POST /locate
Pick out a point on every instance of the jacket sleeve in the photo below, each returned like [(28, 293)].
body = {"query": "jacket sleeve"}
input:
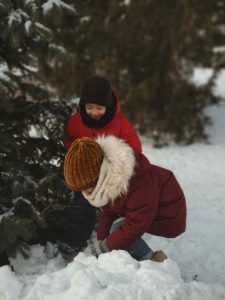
[(67, 142), (141, 209), (129, 135), (68, 138), (105, 221)]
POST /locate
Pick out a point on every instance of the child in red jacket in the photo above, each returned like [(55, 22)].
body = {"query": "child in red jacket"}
[(139, 196), (98, 114)]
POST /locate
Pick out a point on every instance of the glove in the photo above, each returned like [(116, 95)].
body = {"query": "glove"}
[(68, 253), (51, 250), (99, 247)]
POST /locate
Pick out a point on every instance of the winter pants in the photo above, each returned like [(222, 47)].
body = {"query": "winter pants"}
[(80, 220)]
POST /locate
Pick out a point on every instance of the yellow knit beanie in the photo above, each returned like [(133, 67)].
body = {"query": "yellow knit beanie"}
[(82, 164)]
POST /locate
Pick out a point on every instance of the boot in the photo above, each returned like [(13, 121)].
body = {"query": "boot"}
[(159, 256)]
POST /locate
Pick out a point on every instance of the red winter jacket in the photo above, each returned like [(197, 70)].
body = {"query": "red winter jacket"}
[(155, 203), (119, 126)]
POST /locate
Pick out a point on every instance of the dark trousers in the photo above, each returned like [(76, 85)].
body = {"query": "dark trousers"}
[(73, 225), (79, 222)]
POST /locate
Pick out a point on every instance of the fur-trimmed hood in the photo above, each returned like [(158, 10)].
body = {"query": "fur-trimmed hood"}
[(116, 171)]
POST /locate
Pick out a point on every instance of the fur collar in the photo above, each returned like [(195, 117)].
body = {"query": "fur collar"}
[(116, 171)]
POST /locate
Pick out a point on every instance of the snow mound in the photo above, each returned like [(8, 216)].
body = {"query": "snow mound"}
[(114, 275)]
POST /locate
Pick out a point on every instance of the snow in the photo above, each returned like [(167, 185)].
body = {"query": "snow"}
[(201, 76), (3, 69), (195, 268), (17, 17), (43, 28), (219, 49), (126, 2), (6, 214), (28, 25), (112, 276), (220, 84), (50, 4)]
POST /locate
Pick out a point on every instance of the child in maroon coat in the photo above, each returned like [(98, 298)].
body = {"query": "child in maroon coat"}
[(132, 194)]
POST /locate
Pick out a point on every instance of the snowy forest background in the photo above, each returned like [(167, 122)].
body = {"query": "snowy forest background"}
[(153, 53)]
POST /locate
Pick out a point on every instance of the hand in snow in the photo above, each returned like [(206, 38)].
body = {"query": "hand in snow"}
[(98, 247), (68, 253)]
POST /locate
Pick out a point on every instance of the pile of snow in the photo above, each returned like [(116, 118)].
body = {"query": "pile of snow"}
[(114, 275)]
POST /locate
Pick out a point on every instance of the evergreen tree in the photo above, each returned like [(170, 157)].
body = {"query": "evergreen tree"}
[(25, 41), (32, 185)]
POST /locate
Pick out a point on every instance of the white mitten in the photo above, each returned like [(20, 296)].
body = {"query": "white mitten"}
[(100, 247)]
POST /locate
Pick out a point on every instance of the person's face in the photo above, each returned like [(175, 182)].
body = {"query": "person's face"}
[(95, 111), (89, 190)]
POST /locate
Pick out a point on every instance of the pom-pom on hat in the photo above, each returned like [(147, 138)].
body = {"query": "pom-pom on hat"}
[(82, 164), (96, 90)]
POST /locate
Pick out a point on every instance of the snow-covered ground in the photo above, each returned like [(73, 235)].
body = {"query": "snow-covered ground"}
[(201, 171), (196, 265)]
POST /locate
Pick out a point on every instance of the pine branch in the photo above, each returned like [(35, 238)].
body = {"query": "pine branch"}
[(50, 209)]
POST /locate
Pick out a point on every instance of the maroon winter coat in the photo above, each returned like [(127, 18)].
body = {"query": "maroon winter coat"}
[(119, 126), (155, 203)]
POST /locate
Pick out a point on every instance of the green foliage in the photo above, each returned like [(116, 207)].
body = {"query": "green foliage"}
[(19, 226), (24, 42), (32, 187), (31, 127)]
